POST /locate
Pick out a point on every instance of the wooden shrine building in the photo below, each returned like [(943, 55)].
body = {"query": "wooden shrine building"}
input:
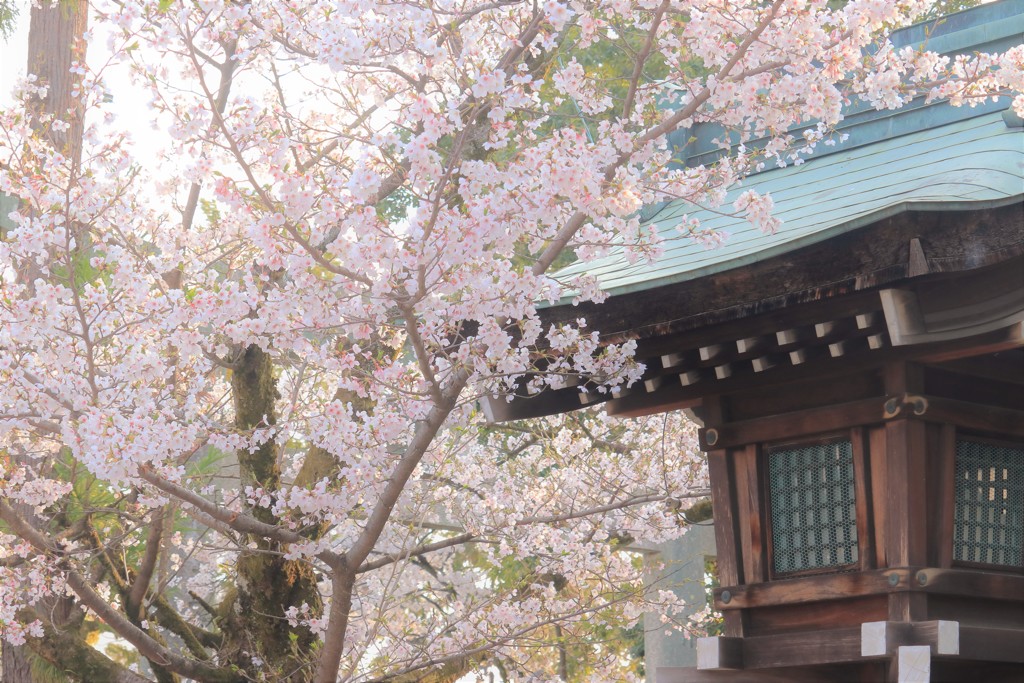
[(860, 380)]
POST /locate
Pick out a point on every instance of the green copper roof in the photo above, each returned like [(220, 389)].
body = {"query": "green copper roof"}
[(969, 164)]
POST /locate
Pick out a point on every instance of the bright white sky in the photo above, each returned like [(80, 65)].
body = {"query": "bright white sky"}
[(12, 56)]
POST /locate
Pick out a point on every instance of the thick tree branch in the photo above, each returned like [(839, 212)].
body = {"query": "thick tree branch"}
[(140, 584), (146, 645), (236, 521)]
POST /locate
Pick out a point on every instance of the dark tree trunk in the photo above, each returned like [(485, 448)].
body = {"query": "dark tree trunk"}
[(54, 41), (266, 584), (16, 665)]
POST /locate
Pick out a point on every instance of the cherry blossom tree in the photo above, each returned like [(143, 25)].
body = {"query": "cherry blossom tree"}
[(243, 342)]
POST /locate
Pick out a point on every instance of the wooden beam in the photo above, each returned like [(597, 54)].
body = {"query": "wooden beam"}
[(942, 636), (791, 336), (719, 652), (867, 555), (816, 420), (822, 330), (751, 344), (711, 351), (868, 321), (912, 664), (673, 395), (653, 383), (968, 583), (671, 360), (840, 348), (548, 402), (877, 638), (723, 501), (814, 674), (850, 654), (1011, 337), (976, 416), (971, 583), (903, 315), (807, 589), (917, 263), (884, 638), (991, 644), (1007, 367), (828, 646)]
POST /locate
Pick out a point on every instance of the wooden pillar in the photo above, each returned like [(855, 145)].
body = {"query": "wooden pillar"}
[(723, 500), (750, 511), (943, 459), (907, 513)]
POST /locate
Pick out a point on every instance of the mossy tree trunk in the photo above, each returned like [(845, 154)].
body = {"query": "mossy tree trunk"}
[(257, 637)]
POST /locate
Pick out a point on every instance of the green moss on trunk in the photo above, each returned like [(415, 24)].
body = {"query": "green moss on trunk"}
[(257, 637)]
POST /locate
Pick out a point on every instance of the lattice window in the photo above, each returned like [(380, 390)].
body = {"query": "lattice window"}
[(813, 509), (988, 517)]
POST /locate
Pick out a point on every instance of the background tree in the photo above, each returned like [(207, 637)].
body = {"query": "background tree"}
[(239, 385)]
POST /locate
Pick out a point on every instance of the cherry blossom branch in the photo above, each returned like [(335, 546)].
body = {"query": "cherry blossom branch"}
[(146, 645), (417, 551), (468, 537), (137, 591), (236, 521), (227, 70), (420, 351), (641, 59), (261, 192), (496, 642)]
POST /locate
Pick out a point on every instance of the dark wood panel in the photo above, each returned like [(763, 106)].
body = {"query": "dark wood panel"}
[(817, 647), (793, 425), (809, 617), (957, 671), (977, 611), (869, 672), (810, 393), (992, 419), (1005, 390), (992, 644)]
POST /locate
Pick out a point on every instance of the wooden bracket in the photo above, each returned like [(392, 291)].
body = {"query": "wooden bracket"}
[(719, 652), (885, 638), (907, 404), (917, 263)]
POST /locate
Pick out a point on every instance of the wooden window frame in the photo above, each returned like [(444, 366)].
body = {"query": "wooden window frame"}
[(859, 449), (984, 438)]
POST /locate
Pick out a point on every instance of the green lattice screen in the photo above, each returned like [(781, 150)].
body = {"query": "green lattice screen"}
[(813, 511), (988, 518)]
